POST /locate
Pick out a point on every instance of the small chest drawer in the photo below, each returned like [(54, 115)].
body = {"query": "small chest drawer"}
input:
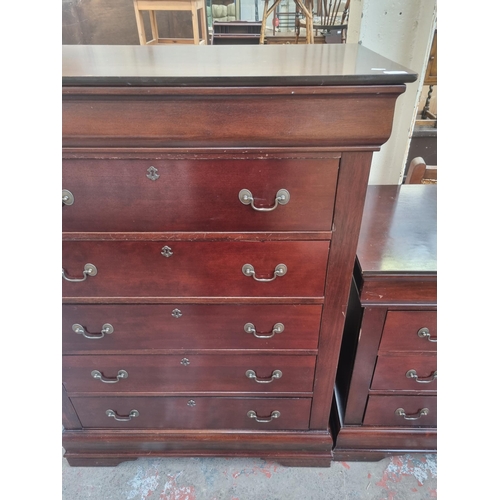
[(405, 411), (123, 195), (195, 268), (196, 373), (416, 372), (410, 331), (193, 413), (108, 327)]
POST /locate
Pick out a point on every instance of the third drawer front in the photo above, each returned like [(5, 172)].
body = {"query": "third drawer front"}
[(406, 411), (107, 327), (416, 372), (193, 413), (195, 268), (190, 373)]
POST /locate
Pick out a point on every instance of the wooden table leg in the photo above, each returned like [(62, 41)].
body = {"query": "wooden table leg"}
[(140, 25)]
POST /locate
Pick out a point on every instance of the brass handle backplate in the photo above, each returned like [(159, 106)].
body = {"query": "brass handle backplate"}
[(275, 375), (413, 375), (282, 198), (131, 415), (416, 416), (67, 197), (279, 270), (253, 414), (250, 328), (106, 329), (424, 333), (99, 376), (88, 270)]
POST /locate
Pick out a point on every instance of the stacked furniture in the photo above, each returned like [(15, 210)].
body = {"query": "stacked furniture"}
[(208, 243), (387, 379)]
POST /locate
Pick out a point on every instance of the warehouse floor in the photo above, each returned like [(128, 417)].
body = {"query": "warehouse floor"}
[(407, 477)]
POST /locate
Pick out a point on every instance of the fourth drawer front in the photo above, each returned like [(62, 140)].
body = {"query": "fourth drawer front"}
[(108, 327), (194, 268), (190, 373)]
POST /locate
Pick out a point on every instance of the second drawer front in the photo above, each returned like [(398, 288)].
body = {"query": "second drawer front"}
[(198, 195), (193, 413), (391, 373), (192, 373), (195, 269), (410, 331), (405, 411), (189, 326)]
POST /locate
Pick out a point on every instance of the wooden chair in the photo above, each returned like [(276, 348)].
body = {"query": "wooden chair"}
[(152, 6), (420, 173), (333, 16), (300, 6)]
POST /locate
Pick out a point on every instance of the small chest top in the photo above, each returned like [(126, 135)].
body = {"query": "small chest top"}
[(398, 232)]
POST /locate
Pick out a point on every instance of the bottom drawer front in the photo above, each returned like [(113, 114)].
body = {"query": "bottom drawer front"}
[(405, 411), (193, 413)]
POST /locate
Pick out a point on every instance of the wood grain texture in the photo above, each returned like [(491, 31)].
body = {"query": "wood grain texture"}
[(354, 171)]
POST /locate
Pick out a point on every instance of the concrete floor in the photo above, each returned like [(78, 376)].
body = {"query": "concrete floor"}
[(407, 477)]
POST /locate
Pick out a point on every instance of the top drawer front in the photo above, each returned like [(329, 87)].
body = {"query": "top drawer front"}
[(410, 331), (198, 195)]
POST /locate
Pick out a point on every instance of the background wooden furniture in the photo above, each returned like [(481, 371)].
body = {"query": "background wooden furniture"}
[(420, 173), (198, 14), (203, 283), (386, 384)]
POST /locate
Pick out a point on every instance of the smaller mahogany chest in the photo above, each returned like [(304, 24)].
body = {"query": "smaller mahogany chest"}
[(386, 388)]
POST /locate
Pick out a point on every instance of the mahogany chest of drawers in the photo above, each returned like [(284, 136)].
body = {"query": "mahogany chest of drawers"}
[(212, 198), (387, 381)]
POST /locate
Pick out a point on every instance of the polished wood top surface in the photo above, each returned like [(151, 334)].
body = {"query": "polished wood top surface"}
[(228, 65), (399, 230)]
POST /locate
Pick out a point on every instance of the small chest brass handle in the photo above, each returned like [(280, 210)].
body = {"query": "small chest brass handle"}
[(131, 415), (274, 414), (106, 329), (252, 375), (99, 376), (424, 333), (282, 198), (277, 328), (279, 270), (413, 375), (88, 270), (421, 413)]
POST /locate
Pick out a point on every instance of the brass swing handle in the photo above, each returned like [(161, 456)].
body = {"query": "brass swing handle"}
[(252, 375), (131, 415), (279, 270), (106, 329), (282, 198), (277, 328), (424, 333), (413, 375), (274, 414), (99, 376), (421, 413), (88, 270)]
